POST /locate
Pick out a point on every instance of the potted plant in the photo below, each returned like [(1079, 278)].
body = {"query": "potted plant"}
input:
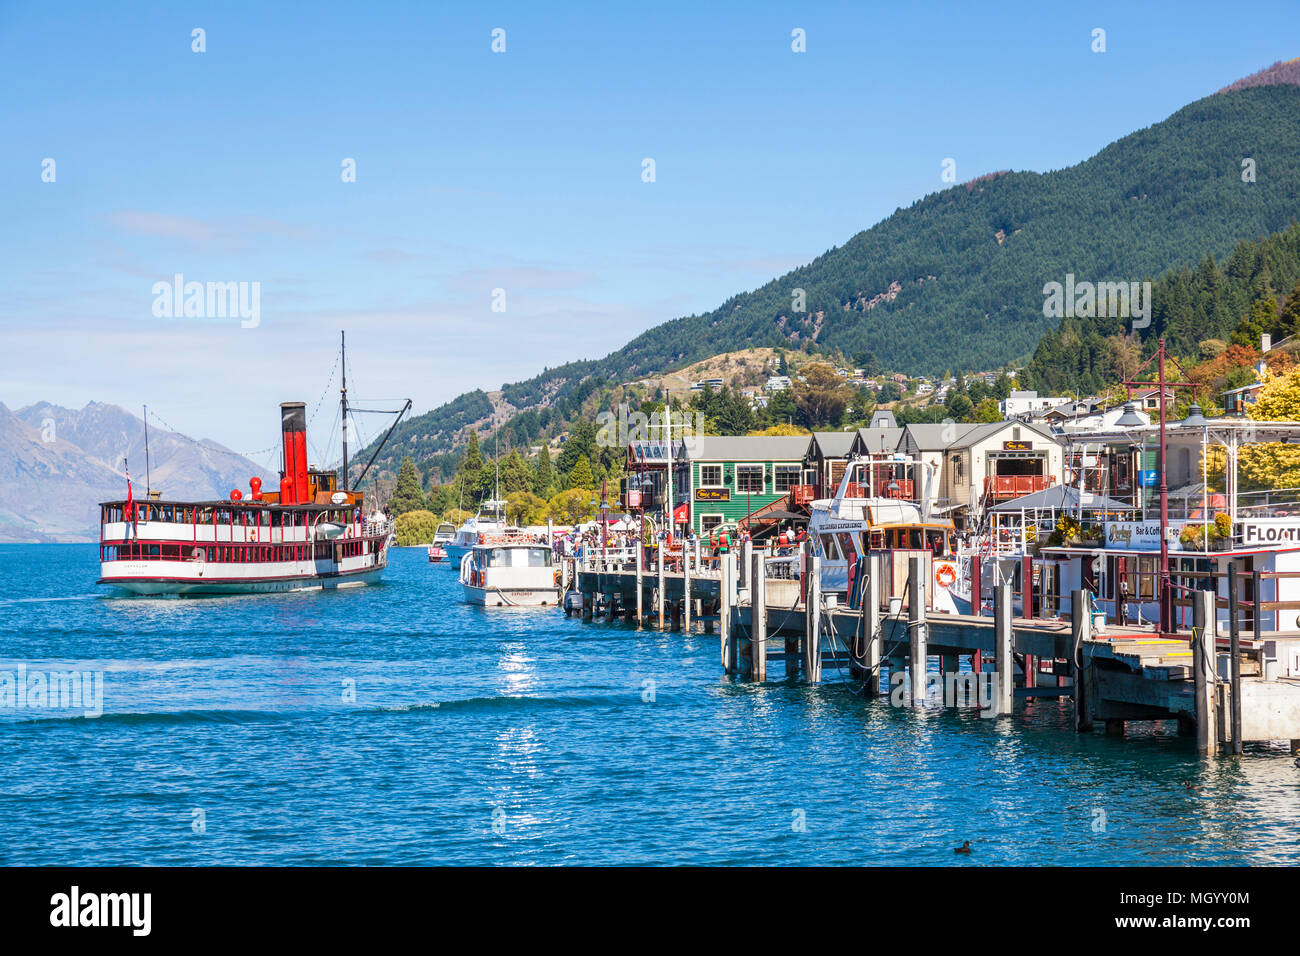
[(1069, 530), (1220, 533), (1090, 536), (1192, 538)]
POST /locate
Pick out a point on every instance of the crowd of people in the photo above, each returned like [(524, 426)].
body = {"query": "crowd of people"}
[(617, 543)]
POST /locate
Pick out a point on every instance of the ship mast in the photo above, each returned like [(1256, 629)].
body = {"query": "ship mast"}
[(343, 401)]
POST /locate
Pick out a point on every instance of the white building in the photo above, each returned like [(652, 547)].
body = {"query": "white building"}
[(1028, 403)]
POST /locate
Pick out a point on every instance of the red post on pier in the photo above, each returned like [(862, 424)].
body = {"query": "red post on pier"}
[(976, 586), (1027, 587)]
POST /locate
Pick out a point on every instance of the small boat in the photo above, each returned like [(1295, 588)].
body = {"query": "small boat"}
[(444, 536), (491, 519), (510, 569)]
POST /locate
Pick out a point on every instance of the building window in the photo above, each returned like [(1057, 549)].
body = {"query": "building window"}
[(749, 479), (958, 467), (709, 522), (710, 476), (785, 477)]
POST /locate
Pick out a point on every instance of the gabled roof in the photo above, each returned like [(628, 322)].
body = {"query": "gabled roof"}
[(883, 418), (877, 441), (747, 447), (830, 444), (934, 437), (929, 437)]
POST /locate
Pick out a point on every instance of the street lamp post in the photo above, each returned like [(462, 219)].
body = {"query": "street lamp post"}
[(1161, 384)]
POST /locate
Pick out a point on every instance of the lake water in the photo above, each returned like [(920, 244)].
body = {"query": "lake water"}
[(395, 725)]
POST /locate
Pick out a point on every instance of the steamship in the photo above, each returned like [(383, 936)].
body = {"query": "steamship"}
[(308, 535)]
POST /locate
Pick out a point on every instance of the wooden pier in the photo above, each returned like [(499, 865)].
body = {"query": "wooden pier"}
[(1216, 686)]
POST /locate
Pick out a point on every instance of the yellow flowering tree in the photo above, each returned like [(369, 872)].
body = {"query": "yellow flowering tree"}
[(1273, 464)]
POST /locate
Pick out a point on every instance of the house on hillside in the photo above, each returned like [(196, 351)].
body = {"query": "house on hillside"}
[(1020, 404), (1149, 399), (1236, 400)]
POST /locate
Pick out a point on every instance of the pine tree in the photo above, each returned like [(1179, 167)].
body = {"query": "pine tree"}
[(407, 495), (580, 476), (1289, 320), (543, 474), (515, 474)]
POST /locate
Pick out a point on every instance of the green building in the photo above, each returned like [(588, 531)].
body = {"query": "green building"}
[(723, 479)]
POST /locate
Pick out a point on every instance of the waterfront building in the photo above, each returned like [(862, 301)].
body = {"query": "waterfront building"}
[(726, 479)]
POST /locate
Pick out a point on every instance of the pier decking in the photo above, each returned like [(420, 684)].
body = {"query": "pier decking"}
[(1217, 686)]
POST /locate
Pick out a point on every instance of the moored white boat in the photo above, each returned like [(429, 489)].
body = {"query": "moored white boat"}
[(490, 519), (858, 522), (510, 570)]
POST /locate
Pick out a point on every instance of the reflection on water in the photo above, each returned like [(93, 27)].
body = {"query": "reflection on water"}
[(395, 724)]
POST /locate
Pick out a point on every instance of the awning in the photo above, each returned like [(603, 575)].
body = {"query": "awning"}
[(1062, 498), (679, 514), (777, 515)]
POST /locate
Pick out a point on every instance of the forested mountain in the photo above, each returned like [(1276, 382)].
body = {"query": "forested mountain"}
[(1192, 308), (955, 281)]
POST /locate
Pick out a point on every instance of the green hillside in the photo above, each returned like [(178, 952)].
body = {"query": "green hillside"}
[(955, 281)]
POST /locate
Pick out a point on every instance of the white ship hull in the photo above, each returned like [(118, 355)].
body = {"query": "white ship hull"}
[(199, 587), (511, 597)]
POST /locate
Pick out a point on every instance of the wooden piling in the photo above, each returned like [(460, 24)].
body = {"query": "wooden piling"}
[(1080, 631), (868, 647), (758, 617), (730, 648), (1234, 663), (812, 645), (1004, 663), (1204, 671), (640, 562), (659, 594), (916, 625), (686, 590)]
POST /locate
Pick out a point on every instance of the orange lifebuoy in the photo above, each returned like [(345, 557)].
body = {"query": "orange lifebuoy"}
[(945, 575)]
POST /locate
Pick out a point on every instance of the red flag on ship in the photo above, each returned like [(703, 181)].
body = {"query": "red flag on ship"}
[(130, 497)]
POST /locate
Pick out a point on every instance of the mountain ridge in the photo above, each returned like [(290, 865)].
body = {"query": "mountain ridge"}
[(57, 464), (967, 262)]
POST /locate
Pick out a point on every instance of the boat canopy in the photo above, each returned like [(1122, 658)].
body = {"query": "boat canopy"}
[(1062, 498)]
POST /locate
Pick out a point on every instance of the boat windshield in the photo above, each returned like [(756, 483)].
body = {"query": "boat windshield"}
[(523, 557)]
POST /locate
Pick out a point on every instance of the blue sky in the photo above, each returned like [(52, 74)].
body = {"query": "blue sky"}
[(519, 170)]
